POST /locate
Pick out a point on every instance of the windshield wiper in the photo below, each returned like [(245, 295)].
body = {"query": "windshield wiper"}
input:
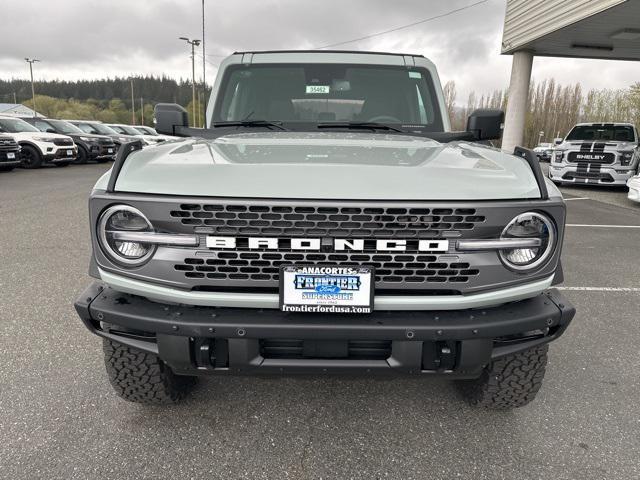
[(361, 126), (249, 123)]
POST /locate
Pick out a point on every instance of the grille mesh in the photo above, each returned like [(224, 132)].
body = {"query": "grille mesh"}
[(411, 268), (301, 221)]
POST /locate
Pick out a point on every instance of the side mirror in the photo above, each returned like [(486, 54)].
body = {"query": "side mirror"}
[(169, 117), (50, 130), (486, 124), (558, 141)]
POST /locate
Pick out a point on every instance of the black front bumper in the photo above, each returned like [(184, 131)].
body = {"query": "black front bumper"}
[(200, 340)]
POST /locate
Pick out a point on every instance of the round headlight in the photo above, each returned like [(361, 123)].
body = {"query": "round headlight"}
[(123, 218), (529, 225)]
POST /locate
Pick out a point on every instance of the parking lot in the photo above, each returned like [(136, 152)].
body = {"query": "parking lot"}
[(59, 418)]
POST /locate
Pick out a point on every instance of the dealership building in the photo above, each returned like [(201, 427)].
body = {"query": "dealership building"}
[(603, 29)]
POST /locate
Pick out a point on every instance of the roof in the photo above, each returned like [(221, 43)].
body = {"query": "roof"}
[(606, 29), (17, 110)]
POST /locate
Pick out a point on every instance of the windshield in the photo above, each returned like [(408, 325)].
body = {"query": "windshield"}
[(15, 125), (324, 93), (96, 128), (124, 129), (64, 127), (616, 133), (145, 130)]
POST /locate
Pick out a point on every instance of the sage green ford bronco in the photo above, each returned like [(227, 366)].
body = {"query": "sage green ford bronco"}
[(327, 220)]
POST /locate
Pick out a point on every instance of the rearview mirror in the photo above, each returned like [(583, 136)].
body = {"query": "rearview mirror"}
[(486, 124), (558, 141), (169, 118)]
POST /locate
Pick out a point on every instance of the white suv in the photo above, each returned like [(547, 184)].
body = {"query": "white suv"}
[(39, 147)]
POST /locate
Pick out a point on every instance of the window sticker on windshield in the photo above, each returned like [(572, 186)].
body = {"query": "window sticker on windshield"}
[(318, 89), (415, 75)]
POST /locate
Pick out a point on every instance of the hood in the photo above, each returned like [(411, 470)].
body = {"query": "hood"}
[(327, 165), (32, 135), (92, 136), (620, 145)]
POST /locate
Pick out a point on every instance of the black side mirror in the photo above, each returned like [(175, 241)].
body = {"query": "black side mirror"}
[(558, 141), (486, 124), (50, 130), (169, 117)]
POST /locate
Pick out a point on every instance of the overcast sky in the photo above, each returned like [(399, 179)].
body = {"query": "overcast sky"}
[(94, 39)]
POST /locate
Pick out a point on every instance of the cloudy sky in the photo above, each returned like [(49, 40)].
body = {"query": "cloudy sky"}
[(94, 39)]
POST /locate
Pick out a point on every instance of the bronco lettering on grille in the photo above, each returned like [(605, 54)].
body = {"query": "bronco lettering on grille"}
[(316, 244)]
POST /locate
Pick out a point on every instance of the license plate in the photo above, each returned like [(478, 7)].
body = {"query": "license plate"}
[(11, 155), (326, 289), (110, 150), (69, 153)]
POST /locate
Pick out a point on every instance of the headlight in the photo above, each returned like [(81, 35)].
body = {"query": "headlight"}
[(88, 139), (529, 225), (123, 218), (123, 139), (44, 139), (625, 158), (559, 155)]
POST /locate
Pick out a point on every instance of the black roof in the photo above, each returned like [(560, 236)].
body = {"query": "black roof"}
[(330, 51)]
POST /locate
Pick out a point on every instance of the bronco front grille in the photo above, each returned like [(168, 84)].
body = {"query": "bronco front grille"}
[(301, 221), (396, 267)]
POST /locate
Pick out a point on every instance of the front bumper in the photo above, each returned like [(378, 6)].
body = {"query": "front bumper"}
[(102, 151), (61, 155), (601, 175), (213, 340)]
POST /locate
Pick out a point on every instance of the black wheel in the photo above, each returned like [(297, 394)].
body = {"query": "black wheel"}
[(62, 164), (31, 157), (83, 155), (142, 377), (6, 168), (508, 382)]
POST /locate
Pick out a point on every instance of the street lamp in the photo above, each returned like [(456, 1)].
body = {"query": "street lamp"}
[(133, 104), (31, 61), (194, 43)]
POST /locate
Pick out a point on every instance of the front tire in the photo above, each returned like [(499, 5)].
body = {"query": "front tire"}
[(142, 377), (509, 382), (31, 157), (83, 155)]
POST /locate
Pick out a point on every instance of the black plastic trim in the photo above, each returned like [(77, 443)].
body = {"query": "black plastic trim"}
[(123, 153), (534, 164)]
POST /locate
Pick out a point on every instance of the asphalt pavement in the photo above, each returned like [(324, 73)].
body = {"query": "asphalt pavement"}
[(59, 418)]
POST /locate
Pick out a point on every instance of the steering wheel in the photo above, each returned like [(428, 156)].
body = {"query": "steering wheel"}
[(384, 119)]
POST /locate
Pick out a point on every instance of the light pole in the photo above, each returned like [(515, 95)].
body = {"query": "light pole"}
[(31, 61), (133, 104), (204, 62), (194, 43)]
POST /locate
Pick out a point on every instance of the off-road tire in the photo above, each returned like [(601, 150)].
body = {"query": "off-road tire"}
[(31, 157), (508, 382), (142, 377)]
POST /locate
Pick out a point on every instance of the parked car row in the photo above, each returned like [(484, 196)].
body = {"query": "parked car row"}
[(33, 142)]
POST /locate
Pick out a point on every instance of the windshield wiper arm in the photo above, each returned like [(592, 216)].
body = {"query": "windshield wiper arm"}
[(249, 123), (361, 125)]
